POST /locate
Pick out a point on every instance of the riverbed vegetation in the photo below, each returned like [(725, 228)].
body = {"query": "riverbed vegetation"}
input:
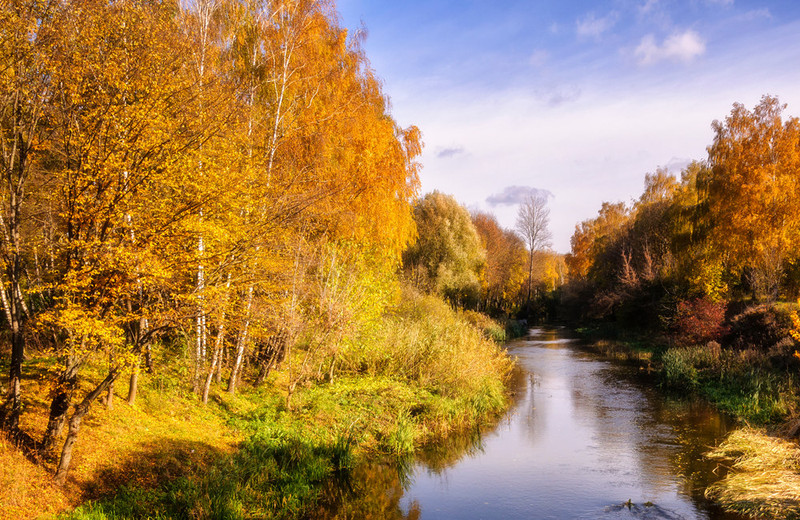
[(210, 201), (250, 454), (698, 279)]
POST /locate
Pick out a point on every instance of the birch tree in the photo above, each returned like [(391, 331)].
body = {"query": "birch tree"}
[(533, 224), (26, 27)]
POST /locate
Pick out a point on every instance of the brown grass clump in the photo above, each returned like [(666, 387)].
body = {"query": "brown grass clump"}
[(764, 480)]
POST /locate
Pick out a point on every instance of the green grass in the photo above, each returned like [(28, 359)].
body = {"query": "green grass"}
[(739, 383), (427, 372)]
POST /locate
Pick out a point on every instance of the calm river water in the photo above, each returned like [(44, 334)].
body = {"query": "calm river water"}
[(583, 440)]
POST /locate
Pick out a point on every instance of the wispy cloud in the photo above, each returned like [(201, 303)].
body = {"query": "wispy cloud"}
[(446, 153), (756, 14), (560, 96), (593, 27), (648, 6), (513, 195), (684, 46), (538, 58)]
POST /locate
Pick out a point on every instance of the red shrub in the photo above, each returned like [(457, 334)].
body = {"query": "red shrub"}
[(699, 321)]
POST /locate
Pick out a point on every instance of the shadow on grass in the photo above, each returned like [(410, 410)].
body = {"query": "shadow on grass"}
[(274, 474), (156, 463)]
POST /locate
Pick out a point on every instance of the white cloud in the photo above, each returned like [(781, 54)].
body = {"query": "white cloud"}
[(593, 27), (684, 46), (648, 6), (721, 2), (514, 195), (756, 14)]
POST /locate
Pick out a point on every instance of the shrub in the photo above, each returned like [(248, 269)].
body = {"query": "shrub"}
[(426, 342), (490, 328), (759, 327), (699, 321)]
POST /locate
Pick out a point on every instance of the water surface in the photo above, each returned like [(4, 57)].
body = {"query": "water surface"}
[(583, 440)]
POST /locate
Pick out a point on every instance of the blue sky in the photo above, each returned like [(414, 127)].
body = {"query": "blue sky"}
[(579, 98)]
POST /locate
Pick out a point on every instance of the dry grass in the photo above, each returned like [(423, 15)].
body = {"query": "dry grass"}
[(159, 439), (623, 352), (764, 478)]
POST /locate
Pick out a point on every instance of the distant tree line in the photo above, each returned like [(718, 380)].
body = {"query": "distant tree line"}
[(728, 229), (471, 261)]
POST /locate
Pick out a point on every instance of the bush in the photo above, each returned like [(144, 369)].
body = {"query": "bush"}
[(426, 342), (699, 321), (759, 327), (490, 328)]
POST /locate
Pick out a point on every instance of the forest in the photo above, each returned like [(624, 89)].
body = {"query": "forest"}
[(698, 280), (199, 197), (221, 286)]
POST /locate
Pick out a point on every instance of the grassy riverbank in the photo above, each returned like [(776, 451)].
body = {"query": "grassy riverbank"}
[(427, 372), (751, 373), (764, 477)]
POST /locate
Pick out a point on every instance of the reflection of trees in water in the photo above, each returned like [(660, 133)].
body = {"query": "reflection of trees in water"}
[(370, 492), (696, 427), (448, 452), (373, 490), (666, 435)]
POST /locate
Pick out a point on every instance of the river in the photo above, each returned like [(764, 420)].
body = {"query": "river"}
[(584, 439)]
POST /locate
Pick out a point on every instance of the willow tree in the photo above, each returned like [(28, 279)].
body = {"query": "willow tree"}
[(448, 257)]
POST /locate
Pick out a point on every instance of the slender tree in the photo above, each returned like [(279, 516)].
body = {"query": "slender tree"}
[(533, 221)]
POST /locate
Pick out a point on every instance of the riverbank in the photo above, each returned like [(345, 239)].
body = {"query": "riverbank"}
[(752, 375), (257, 454)]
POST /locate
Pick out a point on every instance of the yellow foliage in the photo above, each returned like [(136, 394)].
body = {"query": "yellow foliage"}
[(795, 330)]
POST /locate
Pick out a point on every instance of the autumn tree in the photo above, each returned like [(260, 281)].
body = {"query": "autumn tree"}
[(506, 260), (754, 191), (447, 258), (120, 138), (25, 97), (533, 224)]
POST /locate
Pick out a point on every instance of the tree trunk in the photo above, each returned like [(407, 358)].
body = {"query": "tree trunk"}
[(241, 344), (13, 404), (110, 396), (75, 424), (218, 345), (133, 384), (222, 360), (214, 361), (59, 406)]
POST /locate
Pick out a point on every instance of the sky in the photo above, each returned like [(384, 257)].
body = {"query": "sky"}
[(576, 99)]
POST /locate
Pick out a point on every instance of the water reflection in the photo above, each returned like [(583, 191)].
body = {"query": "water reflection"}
[(583, 440)]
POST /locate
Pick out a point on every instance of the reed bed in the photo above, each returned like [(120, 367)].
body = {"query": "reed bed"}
[(764, 475)]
